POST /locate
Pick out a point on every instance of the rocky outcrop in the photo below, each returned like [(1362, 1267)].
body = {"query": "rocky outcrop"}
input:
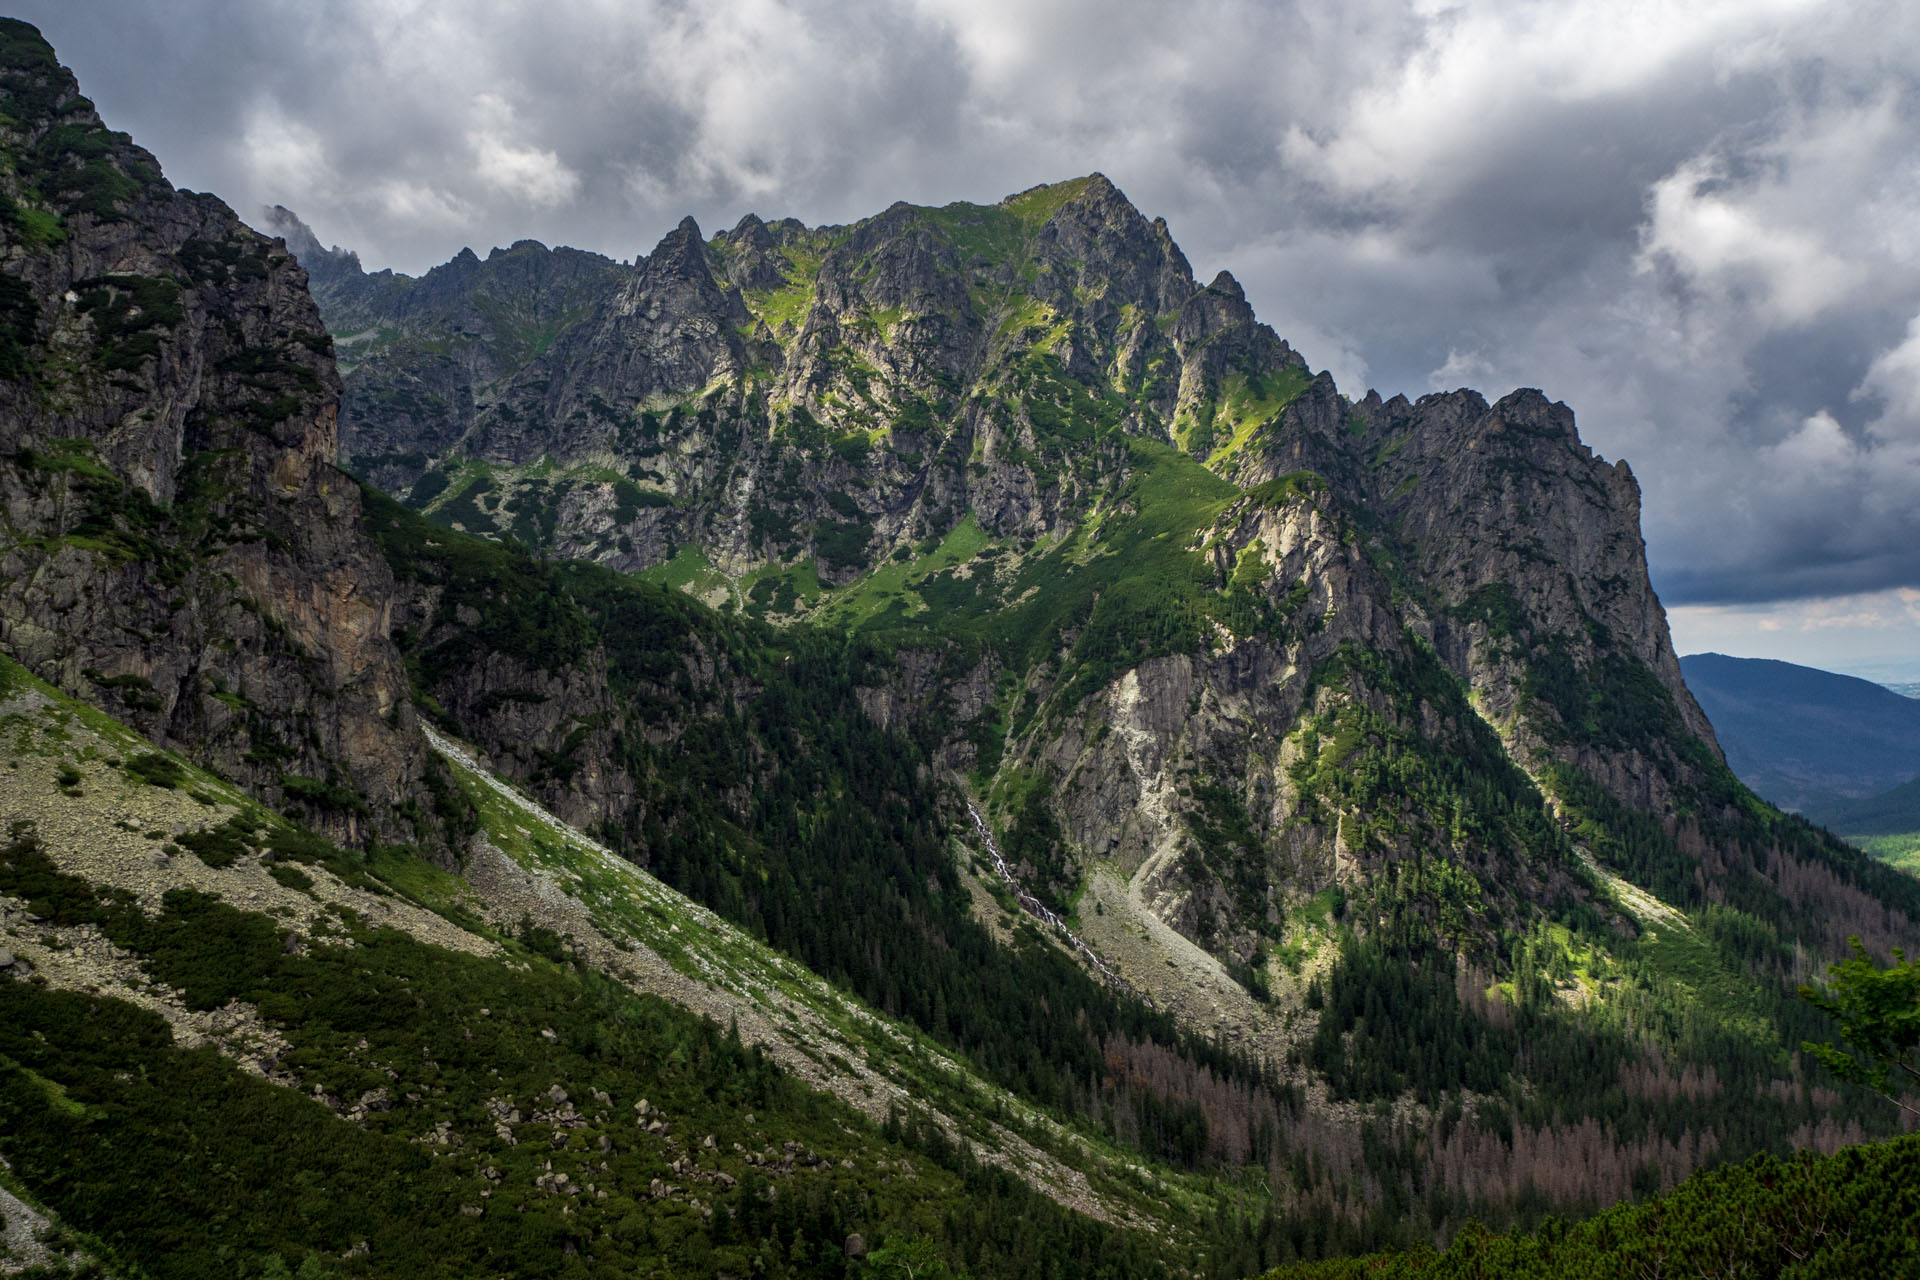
[(752, 255), (668, 331), (423, 358), (780, 391), (334, 274), (785, 408), (1526, 542), (554, 726), (178, 544)]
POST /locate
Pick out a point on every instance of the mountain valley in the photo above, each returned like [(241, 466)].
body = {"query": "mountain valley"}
[(1808, 739), (928, 746)]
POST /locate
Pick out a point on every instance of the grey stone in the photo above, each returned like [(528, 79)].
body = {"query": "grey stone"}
[(277, 633)]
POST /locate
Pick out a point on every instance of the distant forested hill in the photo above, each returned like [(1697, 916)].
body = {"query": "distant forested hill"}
[(1893, 812), (1806, 739)]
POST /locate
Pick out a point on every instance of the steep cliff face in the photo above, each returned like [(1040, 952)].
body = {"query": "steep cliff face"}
[(177, 540), (1531, 552), (1211, 645), (1178, 559)]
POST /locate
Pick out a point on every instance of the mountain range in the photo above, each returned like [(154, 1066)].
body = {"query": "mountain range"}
[(940, 738), (1837, 748), (1802, 737)]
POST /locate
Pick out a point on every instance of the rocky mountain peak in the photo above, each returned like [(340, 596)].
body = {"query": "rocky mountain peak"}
[(1225, 283), (523, 247), (1212, 311), (319, 260), (677, 278), (1529, 411), (1093, 196), (752, 255), (681, 249), (751, 233), (1094, 239), (1503, 501)]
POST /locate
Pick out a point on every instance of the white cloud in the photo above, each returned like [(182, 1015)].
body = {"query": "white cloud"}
[(1729, 249), (530, 174), (285, 155), (1894, 378), (1483, 76), (1819, 446), (416, 204), (536, 177), (1461, 369)]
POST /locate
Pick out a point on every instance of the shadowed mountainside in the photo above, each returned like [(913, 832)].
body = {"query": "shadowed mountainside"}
[(1807, 739)]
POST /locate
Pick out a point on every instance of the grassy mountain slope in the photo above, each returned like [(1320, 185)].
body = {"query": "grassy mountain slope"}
[(473, 1091)]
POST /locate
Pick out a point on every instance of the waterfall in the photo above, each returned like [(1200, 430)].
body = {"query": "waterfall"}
[(1040, 911)]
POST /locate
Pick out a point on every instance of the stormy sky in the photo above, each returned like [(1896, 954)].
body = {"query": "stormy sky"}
[(1699, 225)]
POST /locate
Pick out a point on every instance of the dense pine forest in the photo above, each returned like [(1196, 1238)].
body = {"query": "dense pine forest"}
[(1847, 1214)]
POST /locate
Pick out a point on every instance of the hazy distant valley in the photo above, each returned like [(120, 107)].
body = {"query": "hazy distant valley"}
[(1843, 751)]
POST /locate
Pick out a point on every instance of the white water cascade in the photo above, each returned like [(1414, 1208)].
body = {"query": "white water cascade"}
[(1041, 912)]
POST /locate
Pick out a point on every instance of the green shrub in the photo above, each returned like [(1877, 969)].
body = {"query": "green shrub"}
[(322, 795), (223, 845), (290, 876), (19, 328), (843, 544), (155, 769), (630, 499)]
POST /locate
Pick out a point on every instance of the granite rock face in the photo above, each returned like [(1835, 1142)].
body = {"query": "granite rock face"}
[(664, 334), (779, 393), (940, 420), (424, 358), (178, 544), (1506, 511)]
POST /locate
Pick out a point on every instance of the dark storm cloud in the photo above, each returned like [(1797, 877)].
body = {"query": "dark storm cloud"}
[(1698, 228)]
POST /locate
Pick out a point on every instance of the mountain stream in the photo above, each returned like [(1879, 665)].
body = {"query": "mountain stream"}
[(1041, 912)]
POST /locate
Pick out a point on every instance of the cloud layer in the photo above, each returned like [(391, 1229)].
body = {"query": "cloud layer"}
[(1699, 227)]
